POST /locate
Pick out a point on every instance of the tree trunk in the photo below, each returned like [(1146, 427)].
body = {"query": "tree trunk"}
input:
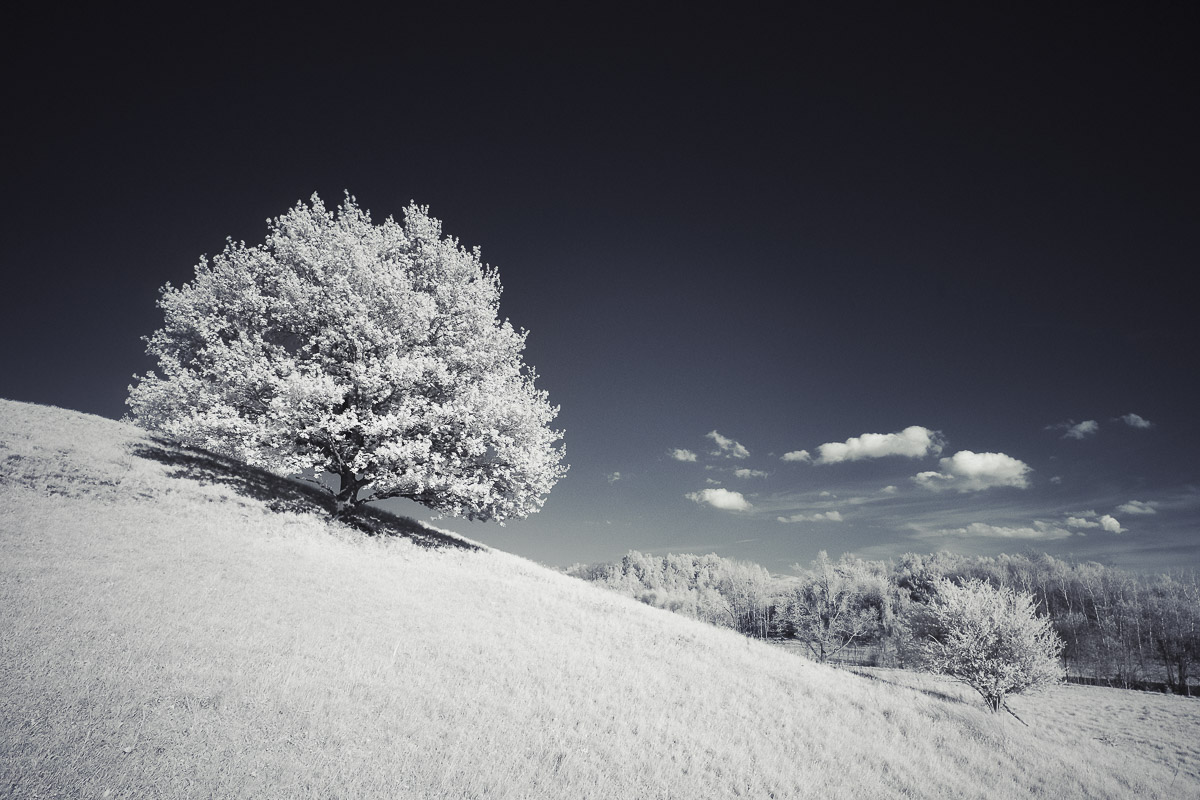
[(347, 496)]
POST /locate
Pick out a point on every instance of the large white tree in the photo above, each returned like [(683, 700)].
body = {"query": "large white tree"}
[(992, 640), (372, 352)]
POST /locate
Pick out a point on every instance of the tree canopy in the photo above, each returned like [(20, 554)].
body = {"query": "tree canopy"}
[(372, 352), (827, 608), (992, 640)]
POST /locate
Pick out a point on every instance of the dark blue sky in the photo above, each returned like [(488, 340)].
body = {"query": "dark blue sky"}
[(792, 231)]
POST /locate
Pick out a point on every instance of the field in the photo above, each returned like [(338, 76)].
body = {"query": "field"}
[(174, 626)]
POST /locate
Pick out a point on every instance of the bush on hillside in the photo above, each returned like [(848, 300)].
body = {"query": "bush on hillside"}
[(992, 640)]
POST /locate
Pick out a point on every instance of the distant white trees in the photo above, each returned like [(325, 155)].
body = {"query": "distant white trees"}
[(720, 591), (828, 609), (1119, 628), (373, 352), (992, 640)]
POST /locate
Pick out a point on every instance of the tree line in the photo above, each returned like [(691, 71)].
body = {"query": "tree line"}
[(1119, 628)]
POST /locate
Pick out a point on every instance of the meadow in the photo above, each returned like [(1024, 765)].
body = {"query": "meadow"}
[(173, 627)]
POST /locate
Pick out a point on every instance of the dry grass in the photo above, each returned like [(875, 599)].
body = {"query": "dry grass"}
[(163, 637), (1136, 727)]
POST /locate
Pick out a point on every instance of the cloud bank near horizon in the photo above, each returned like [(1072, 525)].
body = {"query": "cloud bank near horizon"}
[(977, 530), (826, 516)]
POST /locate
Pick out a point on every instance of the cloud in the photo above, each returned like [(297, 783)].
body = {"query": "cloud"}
[(1136, 421), (723, 499), (1090, 519), (727, 447), (888, 490), (1086, 428), (972, 472), (613, 477), (827, 516), (1075, 430), (796, 455), (1039, 530), (913, 442), (750, 473), (680, 454), (1136, 507), (712, 482)]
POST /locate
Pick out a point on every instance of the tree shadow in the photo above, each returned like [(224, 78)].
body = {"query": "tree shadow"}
[(935, 693), (282, 494)]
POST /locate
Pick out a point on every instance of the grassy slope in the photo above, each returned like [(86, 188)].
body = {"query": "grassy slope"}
[(162, 636)]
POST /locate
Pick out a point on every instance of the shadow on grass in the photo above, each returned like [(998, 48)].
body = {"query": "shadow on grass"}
[(284, 494), (937, 693)]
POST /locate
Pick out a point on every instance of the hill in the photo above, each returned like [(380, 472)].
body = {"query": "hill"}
[(173, 624)]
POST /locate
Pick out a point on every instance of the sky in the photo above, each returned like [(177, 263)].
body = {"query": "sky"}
[(878, 281)]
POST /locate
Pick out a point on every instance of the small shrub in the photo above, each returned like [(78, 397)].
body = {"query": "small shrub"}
[(992, 640)]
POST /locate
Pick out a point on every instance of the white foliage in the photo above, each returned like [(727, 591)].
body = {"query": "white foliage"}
[(827, 607), (374, 352), (992, 640)]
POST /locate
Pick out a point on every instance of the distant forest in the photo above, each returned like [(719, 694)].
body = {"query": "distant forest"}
[(1120, 628)]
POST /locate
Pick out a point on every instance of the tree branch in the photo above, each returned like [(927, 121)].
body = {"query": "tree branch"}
[(1018, 719)]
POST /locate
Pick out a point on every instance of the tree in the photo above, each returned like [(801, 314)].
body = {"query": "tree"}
[(828, 609), (1174, 605), (372, 352), (992, 640)]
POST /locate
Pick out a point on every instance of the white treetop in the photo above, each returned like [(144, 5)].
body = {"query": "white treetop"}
[(374, 352), (992, 640)]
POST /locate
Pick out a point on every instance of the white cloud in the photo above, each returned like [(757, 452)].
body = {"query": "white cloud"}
[(613, 477), (1039, 530), (1136, 421), (727, 447), (1075, 430), (888, 490), (723, 499), (750, 473), (966, 471), (680, 454), (712, 482), (796, 455), (1090, 519), (827, 516), (1136, 507), (1056, 480), (913, 442), (1081, 430)]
